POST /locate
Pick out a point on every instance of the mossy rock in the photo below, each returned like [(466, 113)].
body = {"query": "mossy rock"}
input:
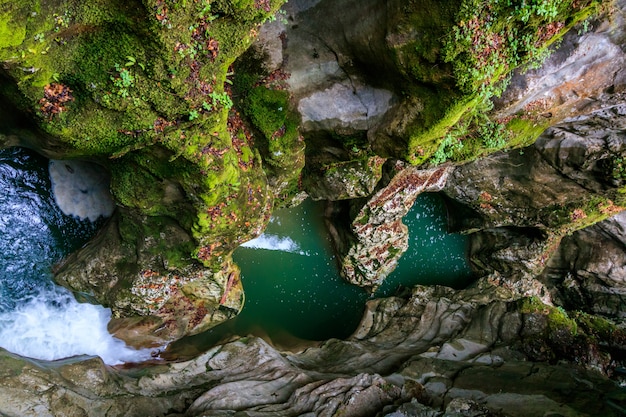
[(453, 57), (142, 87)]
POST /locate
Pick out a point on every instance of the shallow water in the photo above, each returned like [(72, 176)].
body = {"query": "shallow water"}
[(38, 318)]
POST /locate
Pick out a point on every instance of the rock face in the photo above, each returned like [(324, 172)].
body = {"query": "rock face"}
[(377, 237), (588, 272), (435, 350), (192, 185), (131, 87)]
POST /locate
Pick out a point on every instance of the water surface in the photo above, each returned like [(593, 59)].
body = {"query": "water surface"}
[(292, 283), (39, 319)]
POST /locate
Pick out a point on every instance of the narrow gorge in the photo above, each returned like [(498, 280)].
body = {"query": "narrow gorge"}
[(313, 208)]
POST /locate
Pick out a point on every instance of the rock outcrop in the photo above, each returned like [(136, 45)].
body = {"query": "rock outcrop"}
[(191, 185), (141, 88), (377, 238), (433, 351), (587, 272)]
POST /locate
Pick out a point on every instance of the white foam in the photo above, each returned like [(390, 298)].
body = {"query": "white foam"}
[(273, 242), (55, 326)]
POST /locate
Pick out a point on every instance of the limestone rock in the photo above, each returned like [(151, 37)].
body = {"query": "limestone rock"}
[(577, 77), (345, 179), (435, 353), (588, 271), (377, 236), (163, 301)]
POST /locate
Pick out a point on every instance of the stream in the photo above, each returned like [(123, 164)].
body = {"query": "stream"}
[(293, 290), (39, 319)]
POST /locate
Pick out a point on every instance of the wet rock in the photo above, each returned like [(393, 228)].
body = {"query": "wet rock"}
[(345, 179), (163, 301), (377, 237), (421, 357)]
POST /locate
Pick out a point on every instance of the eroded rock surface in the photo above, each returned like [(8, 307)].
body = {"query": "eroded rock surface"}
[(377, 238), (435, 351), (588, 271)]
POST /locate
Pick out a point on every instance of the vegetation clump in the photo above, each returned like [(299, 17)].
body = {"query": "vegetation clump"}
[(144, 87), (486, 41), (265, 101)]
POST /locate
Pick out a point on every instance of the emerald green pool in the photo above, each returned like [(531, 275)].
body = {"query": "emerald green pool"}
[(292, 284)]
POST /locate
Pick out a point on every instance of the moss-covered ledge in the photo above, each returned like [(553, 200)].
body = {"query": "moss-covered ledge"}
[(143, 87)]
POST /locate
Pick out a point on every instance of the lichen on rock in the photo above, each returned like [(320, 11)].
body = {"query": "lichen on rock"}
[(377, 238)]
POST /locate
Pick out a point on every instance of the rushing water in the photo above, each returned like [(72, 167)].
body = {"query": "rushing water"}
[(38, 318)]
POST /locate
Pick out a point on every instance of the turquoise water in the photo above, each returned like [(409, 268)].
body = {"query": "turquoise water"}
[(434, 257), (292, 284), (38, 318), (291, 278), (293, 288)]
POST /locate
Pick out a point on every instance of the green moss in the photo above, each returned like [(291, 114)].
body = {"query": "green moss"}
[(557, 318), (418, 56), (280, 143), (595, 326), (456, 73), (11, 34), (148, 234), (524, 132), (566, 219)]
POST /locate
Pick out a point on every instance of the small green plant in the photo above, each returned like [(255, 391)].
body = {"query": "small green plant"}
[(205, 13), (61, 21), (130, 61), (123, 81), (493, 135), (280, 15), (193, 115), (618, 169), (222, 99), (447, 148)]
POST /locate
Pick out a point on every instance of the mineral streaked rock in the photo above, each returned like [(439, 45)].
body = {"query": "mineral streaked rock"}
[(576, 77), (81, 189), (378, 238)]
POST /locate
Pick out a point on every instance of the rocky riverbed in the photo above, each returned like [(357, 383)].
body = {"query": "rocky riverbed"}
[(364, 105)]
